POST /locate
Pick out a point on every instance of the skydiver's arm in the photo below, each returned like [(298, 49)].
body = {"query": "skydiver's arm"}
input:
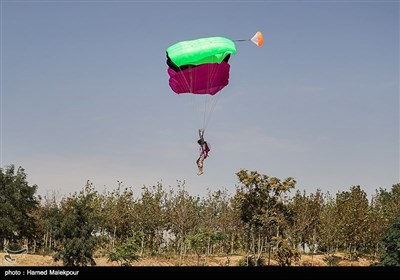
[(201, 133)]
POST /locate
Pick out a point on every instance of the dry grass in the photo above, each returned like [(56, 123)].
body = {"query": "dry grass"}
[(306, 260)]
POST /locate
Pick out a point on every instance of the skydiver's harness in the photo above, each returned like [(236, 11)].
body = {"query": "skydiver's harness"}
[(203, 144)]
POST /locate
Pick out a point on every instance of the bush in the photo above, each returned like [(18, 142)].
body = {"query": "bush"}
[(251, 260), (285, 253), (125, 253), (332, 260)]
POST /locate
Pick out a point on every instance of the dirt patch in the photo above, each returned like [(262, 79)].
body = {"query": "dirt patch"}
[(28, 260)]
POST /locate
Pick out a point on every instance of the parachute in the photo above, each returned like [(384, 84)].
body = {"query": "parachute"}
[(201, 67)]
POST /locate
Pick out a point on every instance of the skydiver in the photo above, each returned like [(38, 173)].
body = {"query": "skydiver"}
[(204, 149)]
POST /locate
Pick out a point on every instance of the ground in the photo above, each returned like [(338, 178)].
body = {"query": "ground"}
[(306, 260)]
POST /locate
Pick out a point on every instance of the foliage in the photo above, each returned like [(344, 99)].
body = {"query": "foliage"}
[(201, 240), (184, 216), (117, 213), (262, 209), (352, 212), (77, 231), (150, 217), (48, 218), (260, 196), (285, 253), (125, 253), (391, 245), (329, 231), (251, 260), (305, 219), (17, 204)]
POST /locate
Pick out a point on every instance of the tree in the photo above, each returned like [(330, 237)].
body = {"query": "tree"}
[(389, 203), (376, 226), (125, 253), (214, 211), (353, 208), (183, 217), (232, 226), (285, 253), (198, 243), (262, 208), (77, 231), (329, 230), (150, 217), (391, 245), (17, 204), (48, 216), (305, 220), (117, 214)]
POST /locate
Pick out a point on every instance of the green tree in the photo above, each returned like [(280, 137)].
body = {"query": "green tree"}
[(260, 202), (17, 205), (48, 217), (384, 209), (150, 217), (329, 229), (125, 253), (183, 212), (376, 227), (77, 232), (305, 219), (391, 245), (389, 203), (214, 209), (198, 243), (117, 214), (232, 227), (352, 211)]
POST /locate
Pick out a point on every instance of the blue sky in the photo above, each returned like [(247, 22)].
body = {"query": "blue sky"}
[(85, 95)]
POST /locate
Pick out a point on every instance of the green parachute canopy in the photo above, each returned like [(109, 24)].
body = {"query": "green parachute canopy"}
[(201, 51)]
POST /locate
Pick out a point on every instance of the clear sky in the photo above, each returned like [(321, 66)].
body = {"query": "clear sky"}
[(85, 94)]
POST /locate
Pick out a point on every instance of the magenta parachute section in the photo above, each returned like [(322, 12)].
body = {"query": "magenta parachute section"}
[(203, 79)]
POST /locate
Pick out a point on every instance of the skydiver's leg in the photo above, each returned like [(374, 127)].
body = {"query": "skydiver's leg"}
[(200, 164)]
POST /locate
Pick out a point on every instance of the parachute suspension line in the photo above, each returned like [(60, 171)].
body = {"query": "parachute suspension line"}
[(210, 101), (206, 97), (189, 84), (211, 110)]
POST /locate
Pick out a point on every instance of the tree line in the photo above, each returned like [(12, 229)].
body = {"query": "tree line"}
[(266, 218)]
